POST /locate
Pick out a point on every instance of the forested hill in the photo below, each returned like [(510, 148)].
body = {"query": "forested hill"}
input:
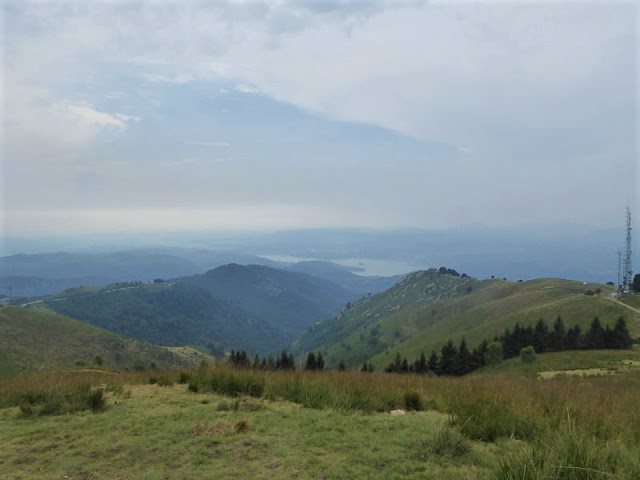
[(256, 308), (289, 301), (168, 314)]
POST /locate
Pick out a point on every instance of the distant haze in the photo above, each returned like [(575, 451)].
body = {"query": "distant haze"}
[(261, 116)]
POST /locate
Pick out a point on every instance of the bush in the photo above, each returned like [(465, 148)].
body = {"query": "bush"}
[(447, 442), (51, 402), (528, 354), (184, 378), (413, 401)]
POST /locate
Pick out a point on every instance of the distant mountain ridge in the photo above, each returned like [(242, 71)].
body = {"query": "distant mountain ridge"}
[(36, 275)]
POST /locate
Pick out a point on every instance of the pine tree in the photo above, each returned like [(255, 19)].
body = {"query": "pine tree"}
[(559, 335), (420, 366), (448, 358), (464, 359), (573, 339), (621, 336), (291, 362), (311, 362), (320, 361), (434, 363), (595, 337), (404, 366), (542, 339)]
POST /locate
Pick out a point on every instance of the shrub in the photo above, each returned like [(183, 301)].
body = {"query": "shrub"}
[(447, 442), (528, 354), (164, 381), (184, 377), (413, 401)]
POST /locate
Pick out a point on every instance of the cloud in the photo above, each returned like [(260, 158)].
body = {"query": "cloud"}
[(84, 115), (242, 88), (159, 78), (210, 144), (538, 101)]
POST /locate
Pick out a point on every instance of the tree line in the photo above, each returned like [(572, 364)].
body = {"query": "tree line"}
[(240, 359), (460, 360)]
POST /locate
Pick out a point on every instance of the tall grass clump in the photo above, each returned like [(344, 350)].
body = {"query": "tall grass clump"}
[(488, 415), (446, 442), (337, 390), (39, 402), (570, 455)]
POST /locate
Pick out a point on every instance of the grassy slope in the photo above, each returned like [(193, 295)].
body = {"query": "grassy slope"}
[(152, 432), (614, 361), (408, 319), (31, 340), (154, 435)]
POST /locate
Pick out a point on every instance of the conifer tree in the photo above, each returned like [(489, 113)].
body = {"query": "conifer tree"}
[(420, 365), (434, 363), (621, 336), (595, 337), (448, 357), (320, 361), (464, 360), (311, 362), (559, 335)]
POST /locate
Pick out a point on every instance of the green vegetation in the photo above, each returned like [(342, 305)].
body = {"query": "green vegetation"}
[(327, 424), (32, 341), (426, 309), (287, 301), (256, 308), (523, 341), (167, 314)]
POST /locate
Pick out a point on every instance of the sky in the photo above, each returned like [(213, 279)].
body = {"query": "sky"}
[(143, 116)]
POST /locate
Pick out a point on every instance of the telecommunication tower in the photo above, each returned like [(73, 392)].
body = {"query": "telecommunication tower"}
[(627, 271)]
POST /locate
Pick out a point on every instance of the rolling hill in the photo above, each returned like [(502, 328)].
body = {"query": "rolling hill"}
[(167, 314), (289, 301), (256, 308), (32, 340), (426, 308)]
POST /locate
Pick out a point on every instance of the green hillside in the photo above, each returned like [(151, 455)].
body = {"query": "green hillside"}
[(168, 314), (288, 301), (570, 363), (31, 340), (426, 308)]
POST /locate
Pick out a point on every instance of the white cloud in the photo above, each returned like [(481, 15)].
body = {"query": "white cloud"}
[(159, 78), (210, 144), (536, 98)]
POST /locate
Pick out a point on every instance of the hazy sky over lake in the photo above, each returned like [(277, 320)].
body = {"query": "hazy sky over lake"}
[(194, 115)]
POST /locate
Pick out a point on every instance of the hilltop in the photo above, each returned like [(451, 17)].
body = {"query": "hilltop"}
[(32, 340), (426, 308)]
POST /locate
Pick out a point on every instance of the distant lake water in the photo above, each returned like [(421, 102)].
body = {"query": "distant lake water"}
[(364, 266)]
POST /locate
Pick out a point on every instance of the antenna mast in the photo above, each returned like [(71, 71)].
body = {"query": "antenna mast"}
[(627, 271)]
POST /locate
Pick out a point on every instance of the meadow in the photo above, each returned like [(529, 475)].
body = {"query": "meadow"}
[(218, 422)]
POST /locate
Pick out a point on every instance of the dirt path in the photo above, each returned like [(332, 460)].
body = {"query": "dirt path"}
[(618, 302)]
